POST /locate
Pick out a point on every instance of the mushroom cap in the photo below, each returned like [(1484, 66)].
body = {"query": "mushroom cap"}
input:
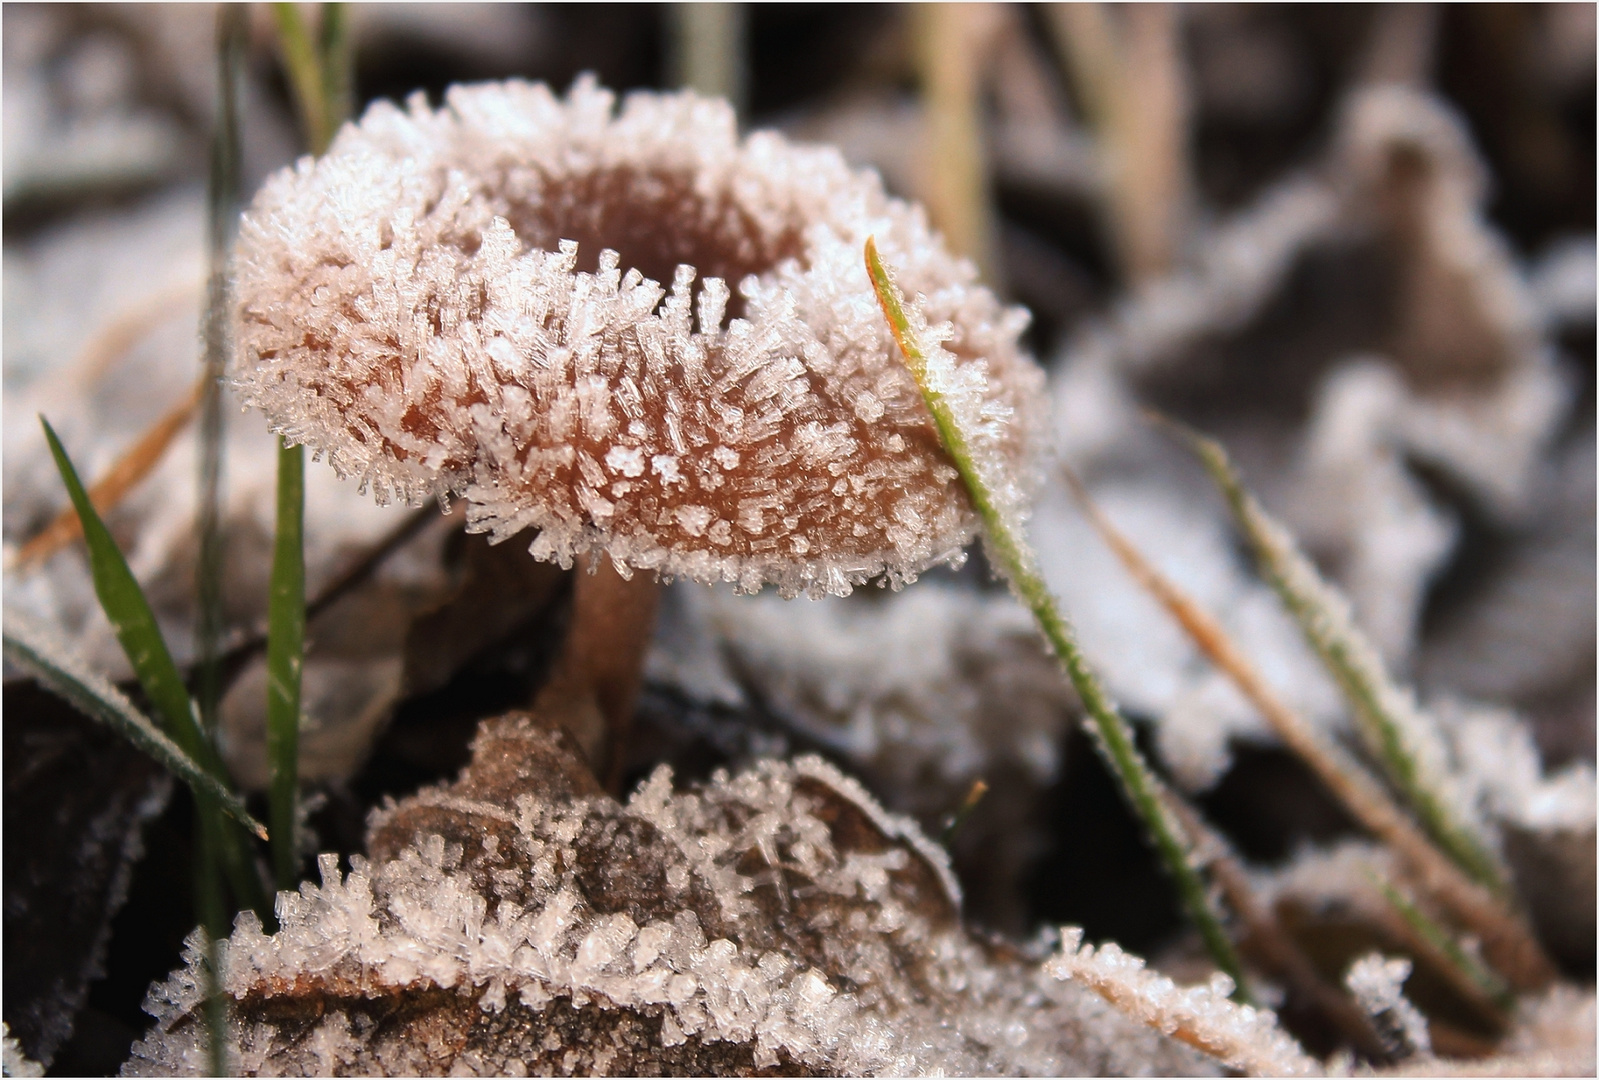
[(466, 301)]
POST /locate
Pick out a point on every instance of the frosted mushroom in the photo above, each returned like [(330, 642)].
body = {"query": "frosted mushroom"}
[(469, 301)]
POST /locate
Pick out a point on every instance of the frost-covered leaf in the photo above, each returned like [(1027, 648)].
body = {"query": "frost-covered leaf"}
[(774, 918)]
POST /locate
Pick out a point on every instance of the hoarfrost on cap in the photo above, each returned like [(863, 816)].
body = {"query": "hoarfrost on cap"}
[(469, 300)]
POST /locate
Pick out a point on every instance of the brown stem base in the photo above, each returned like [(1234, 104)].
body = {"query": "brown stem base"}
[(595, 683)]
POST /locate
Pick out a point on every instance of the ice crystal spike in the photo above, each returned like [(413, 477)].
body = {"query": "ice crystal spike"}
[(1375, 982), (628, 328)]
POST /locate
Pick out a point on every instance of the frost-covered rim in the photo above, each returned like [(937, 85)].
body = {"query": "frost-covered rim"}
[(403, 301)]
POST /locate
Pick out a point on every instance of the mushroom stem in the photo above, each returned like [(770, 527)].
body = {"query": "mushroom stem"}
[(596, 679)]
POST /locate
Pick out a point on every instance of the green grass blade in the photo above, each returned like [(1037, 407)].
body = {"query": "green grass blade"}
[(213, 913), (285, 646), (33, 648), (133, 621), (222, 213), (321, 73), (1009, 552), (338, 68), (304, 64), (1405, 743)]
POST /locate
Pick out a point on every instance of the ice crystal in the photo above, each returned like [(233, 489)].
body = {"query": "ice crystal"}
[(16, 1062), (1498, 757), (499, 298), (521, 921), (1376, 984)]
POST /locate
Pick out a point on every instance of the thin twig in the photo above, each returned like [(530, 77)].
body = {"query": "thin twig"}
[(1350, 783)]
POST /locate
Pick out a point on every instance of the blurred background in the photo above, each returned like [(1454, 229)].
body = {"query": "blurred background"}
[(1355, 242)]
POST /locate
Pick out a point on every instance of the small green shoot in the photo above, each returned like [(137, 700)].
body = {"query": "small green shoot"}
[(30, 647), (134, 623), (285, 650), (1390, 723), (1008, 551)]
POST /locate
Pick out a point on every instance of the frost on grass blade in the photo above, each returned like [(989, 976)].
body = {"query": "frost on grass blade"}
[(1000, 503), (1245, 1038), (36, 649), (1403, 739)]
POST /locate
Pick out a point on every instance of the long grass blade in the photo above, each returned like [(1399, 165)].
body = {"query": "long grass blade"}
[(222, 198), (321, 75), (302, 59), (35, 649), (338, 68), (1504, 933), (213, 920), (319, 70), (285, 650), (1008, 551), (1399, 736), (213, 855), (222, 214)]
